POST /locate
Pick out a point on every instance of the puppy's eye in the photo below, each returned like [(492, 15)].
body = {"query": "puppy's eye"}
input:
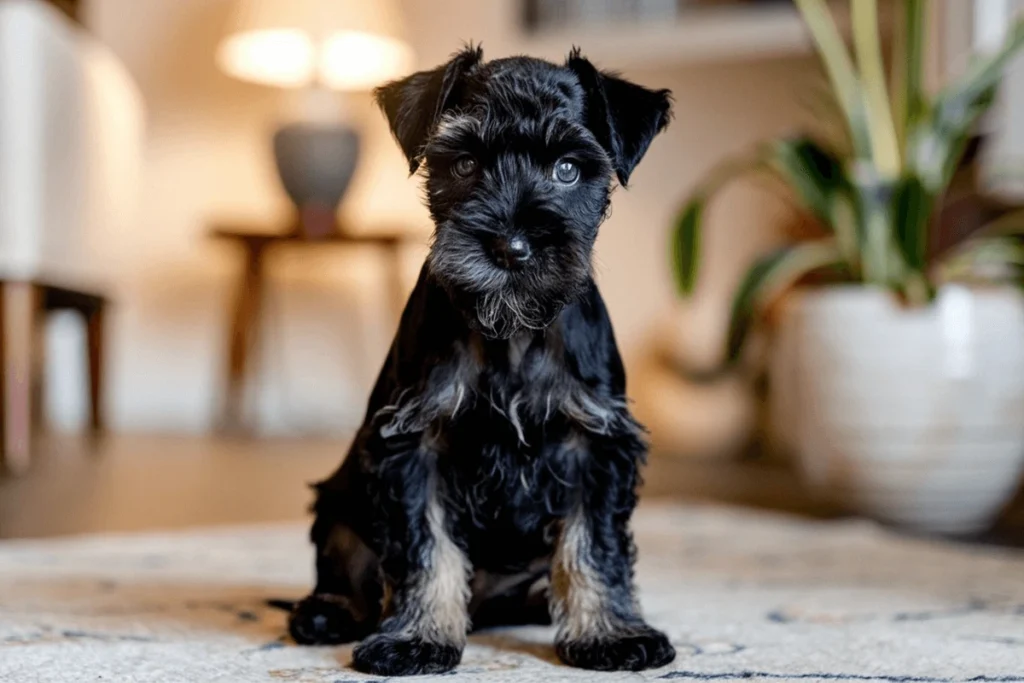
[(566, 172), (464, 166)]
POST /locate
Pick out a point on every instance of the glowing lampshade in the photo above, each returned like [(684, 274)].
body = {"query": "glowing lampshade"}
[(339, 44)]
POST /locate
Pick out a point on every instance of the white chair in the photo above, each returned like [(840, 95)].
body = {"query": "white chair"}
[(71, 131)]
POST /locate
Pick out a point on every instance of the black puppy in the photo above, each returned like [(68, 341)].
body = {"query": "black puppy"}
[(496, 471)]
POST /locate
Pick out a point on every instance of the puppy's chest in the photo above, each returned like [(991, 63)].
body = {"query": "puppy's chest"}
[(506, 493), (520, 390), (515, 416), (511, 455)]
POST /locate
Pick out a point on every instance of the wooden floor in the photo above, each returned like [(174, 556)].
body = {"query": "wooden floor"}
[(132, 483), (129, 483)]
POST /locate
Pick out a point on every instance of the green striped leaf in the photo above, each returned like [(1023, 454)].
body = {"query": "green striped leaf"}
[(941, 140), (812, 172), (988, 259), (767, 279), (908, 68), (885, 148), (686, 245), (912, 207), (841, 72)]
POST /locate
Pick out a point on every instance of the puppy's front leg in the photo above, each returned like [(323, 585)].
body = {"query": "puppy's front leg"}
[(426, 630), (593, 600)]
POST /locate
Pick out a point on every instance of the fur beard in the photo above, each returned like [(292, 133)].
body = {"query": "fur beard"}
[(499, 303)]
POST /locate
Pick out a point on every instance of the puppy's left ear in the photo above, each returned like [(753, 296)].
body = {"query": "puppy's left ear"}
[(415, 103), (623, 116)]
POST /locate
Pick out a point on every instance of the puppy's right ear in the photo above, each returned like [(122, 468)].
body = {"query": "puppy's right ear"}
[(414, 104)]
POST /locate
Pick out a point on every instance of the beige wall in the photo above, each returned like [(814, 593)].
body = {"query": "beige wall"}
[(207, 157)]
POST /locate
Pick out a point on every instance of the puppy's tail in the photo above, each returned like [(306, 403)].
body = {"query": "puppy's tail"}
[(281, 604)]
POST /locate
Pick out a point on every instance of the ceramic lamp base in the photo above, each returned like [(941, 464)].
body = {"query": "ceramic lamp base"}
[(315, 162)]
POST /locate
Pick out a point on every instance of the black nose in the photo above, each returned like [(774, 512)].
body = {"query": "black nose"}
[(511, 252)]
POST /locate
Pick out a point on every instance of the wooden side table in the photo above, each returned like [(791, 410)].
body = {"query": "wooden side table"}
[(248, 306)]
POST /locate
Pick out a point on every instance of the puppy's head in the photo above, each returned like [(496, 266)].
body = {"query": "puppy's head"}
[(520, 155)]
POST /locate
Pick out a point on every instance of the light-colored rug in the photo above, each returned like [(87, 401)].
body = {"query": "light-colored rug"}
[(742, 595)]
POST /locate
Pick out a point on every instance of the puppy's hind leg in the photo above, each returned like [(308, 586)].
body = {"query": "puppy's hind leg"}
[(520, 600), (346, 603)]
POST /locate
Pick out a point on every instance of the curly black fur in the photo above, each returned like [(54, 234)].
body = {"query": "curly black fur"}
[(495, 474)]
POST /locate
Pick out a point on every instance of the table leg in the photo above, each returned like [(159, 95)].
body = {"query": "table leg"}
[(396, 278), (243, 336)]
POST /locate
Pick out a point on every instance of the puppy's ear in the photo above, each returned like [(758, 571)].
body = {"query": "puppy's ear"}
[(415, 103), (623, 116)]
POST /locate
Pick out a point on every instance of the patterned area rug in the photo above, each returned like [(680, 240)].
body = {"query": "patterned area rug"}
[(742, 595)]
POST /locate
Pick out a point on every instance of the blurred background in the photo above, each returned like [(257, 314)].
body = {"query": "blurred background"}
[(206, 232)]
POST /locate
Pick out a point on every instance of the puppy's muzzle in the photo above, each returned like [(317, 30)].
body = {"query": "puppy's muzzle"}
[(511, 253)]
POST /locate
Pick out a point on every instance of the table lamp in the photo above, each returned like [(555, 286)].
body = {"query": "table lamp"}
[(322, 48)]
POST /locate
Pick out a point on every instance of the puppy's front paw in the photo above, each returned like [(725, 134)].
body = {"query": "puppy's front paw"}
[(630, 650), (395, 655), (323, 620)]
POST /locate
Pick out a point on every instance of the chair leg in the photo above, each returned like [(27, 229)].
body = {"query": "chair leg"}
[(95, 321), (37, 381), (18, 309)]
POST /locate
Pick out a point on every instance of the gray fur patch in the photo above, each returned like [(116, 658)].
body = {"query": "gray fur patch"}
[(450, 390), (453, 126), (537, 402)]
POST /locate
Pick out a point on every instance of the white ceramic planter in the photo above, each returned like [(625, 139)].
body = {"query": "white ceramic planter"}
[(911, 416)]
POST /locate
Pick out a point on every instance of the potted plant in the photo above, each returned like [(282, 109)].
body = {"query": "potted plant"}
[(901, 381)]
